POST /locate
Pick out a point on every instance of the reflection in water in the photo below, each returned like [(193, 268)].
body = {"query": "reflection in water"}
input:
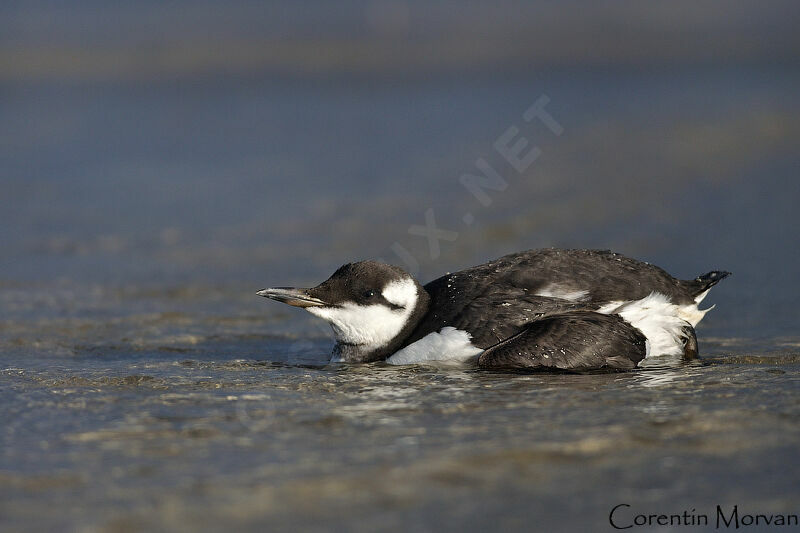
[(659, 375)]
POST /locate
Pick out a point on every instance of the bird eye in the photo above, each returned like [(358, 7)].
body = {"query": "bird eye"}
[(369, 294)]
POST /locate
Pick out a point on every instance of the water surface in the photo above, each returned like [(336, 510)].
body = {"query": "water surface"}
[(144, 386)]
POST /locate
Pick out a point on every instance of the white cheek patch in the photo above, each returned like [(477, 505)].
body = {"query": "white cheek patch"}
[(370, 325), (449, 344), (401, 292)]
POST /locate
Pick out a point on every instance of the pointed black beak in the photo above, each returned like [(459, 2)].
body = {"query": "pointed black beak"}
[(291, 296)]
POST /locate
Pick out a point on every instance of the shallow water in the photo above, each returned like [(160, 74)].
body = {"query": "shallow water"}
[(197, 420), (205, 440), (144, 386)]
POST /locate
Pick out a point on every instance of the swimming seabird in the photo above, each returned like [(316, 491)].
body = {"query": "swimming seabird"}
[(544, 309)]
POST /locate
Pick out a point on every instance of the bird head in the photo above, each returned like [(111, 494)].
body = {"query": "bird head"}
[(371, 307)]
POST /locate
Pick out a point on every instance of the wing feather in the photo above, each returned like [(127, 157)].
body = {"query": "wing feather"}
[(575, 340)]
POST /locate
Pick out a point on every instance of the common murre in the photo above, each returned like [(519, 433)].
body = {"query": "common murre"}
[(537, 310)]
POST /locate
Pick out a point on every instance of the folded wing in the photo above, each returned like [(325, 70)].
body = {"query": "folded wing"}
[(573, 340)]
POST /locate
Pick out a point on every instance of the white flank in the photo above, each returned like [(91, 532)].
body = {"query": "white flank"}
[(562, 293), (449, 344), (661, 321)]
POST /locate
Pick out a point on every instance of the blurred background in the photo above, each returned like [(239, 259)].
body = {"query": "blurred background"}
[(259, 143), (162, 161)]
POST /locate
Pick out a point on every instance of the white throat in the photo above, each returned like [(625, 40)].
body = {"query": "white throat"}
[(364, 328)]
